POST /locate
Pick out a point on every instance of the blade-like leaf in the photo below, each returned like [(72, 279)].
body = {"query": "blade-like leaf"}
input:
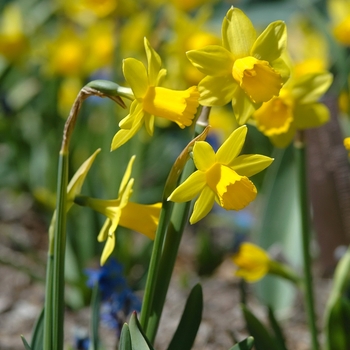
[(138, 338), (125, 339), (25, 343), (277, 330), (191, 318), (38, 333), (95, 317), (246, 344), (262, 337)]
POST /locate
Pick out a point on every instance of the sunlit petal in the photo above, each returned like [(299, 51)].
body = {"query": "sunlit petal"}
[(203, 205), (190, 188), (127, 175), (217, 91), (212, 60), (250, 164), (108, 249), (203, 155), (243, 106), (102, 236), (238, 33), (231, 148), (154, 63), (136, 75)]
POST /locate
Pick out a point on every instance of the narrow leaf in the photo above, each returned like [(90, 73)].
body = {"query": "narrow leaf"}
[(246, 344), (95, 317), (262, 337), (138, 338), (125, 339), (25, 343), (191, 318), (277, 330), (38, 333)]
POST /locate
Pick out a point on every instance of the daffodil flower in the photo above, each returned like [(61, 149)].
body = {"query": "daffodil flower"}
[(347, 144), (253, 262), (221, 177), (152, 100), (296, 108), (245, 70), (137, 217)]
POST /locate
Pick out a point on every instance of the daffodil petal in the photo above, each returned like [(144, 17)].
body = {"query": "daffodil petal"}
[(238, 33), (217, 91), (135, 110), (250, 164), (102, 236), (108, 249), (271, 42), (126, 194), (203, 205), (212, 60), (231, 148), (310, 87), (243, 107), (124, 135), (141, 218), (189, 188), (149, 123), (127, 175), (203, 155), (136, 75), (154, 63), (311, 115), (280, 66)]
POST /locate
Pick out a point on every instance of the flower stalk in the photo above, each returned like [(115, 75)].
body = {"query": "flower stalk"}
[(299, 146)]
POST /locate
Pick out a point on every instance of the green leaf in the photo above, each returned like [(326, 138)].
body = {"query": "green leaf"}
[(125, 339), (25, 343), (138, 338), (262, 337), (277, 330), (38, 333), (245, 344), (191, 318)]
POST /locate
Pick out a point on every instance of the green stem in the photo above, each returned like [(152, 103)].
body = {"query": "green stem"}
[(59, 254), (305, 231), (48, 327), (176, 226), (154, 264)]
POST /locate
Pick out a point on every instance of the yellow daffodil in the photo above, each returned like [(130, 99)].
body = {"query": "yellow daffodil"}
[(339, 11), (121, 212), (152, 100), (221, 177), (297, 107), (246, 70), (253, 262), (13, 41)]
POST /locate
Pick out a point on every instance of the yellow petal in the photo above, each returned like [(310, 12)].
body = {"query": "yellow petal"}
[(252, 261), (217, 91), (203, 205), (310, 87), (135, 110), (232, 147), (126, 194), (154, 63), (238, 33), (212, 60), (250, 164), (243, 106), (127, 175), (257, 78), (108, 249), (203, 155), (149, 123), (141, 218), (190, 188), (124, 135), (346, 143), (271, 42), (283, 140), (136, 75), (311, 115), (177, 106), (102, 236), (275, 116)]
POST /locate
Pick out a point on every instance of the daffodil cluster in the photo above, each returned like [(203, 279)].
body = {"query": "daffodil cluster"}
[(246, 70)]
